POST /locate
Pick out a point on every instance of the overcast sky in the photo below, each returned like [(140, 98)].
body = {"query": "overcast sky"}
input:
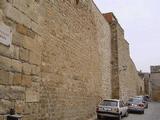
[(141, 22)]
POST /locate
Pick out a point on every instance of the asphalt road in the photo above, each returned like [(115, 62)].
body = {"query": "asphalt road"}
[(152, 113)]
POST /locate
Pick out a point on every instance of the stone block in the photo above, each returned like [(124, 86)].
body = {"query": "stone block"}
[(26, 68), (36, 27), (35, 70), (16, 15), (26, 81), (17, 39), (20, 28), (15, 54), (25, 31), (20, 106), (4, 77), (16, 66), (32, 95), (31, 33), (11, 75), (29, 43), (35, 58), (17, 79), (5, 105), (5, 63), (2, 92), (6, 51), (36, 78), (24, 54), (16, 93)]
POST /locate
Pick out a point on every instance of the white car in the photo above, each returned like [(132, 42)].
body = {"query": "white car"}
[(112, 108)]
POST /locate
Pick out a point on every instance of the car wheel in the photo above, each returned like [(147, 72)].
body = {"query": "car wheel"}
[(142, 112), (147, 106), (119, 117), (98, 117)]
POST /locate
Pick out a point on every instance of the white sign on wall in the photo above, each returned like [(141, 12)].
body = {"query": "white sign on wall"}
[(5, 34)]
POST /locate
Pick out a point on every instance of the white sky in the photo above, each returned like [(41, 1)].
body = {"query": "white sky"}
[(141, 22)]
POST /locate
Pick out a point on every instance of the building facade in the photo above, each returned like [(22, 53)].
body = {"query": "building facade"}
[(147, 82)]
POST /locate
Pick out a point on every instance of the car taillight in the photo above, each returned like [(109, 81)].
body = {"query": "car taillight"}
[(97, 109), (140, 105)]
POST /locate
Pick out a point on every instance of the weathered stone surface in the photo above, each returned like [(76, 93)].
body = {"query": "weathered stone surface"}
[(16, 15), (26, 68), (155, 82), (35, 70), (1, 14), (3, 91), (32, 95), (24, 54), (17, 79), (125, 79), (25, 31), (5, 105), (17, 39), (5, 63), (16, 66), (26, 81), (65, 52), (16, 93), (4, 77), (19, 106), (6, 51), (15, 53), (35, 58)]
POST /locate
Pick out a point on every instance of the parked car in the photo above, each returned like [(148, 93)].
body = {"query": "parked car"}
[(147, 98), (144, 100), (136, 105), (112, 108)]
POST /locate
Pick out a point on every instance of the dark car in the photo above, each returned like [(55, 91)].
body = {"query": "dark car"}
[(144, 100), (136, 105), (147, 98)]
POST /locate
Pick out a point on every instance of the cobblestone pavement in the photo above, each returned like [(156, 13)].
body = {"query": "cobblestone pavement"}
[(152, 113)]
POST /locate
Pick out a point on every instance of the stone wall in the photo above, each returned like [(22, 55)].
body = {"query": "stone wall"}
[(147, 86), (155, 82), (125, 80), (58, 64), (131, 84)]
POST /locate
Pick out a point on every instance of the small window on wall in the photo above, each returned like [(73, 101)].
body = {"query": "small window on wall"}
[(77, 1)]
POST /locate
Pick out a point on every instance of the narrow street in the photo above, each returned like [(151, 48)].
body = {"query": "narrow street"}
[(152, 113)]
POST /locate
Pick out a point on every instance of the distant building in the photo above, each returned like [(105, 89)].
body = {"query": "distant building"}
[(147, 83), (155, 82)]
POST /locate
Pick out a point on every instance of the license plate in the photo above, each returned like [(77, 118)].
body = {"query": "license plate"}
[(107, 109)]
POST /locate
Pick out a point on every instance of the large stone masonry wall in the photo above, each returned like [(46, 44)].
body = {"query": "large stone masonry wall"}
[(124, 76), (58, 64), (131, 84)]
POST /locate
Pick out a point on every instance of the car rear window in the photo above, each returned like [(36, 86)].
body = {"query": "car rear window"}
[(109, 103), (135, 100)]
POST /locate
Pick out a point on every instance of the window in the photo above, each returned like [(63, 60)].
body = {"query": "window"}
[(77, 1)]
